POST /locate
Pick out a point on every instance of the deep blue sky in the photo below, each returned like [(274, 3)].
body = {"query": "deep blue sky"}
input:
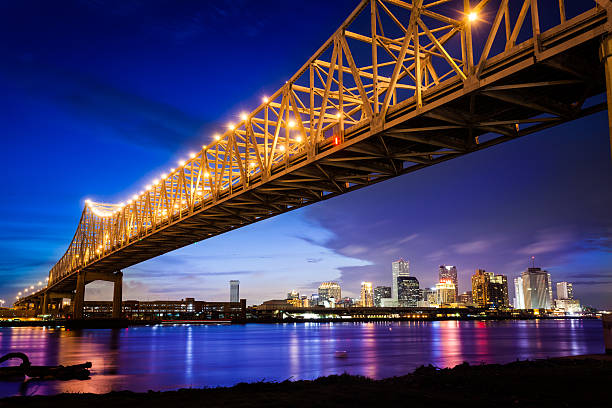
[(98, 97)]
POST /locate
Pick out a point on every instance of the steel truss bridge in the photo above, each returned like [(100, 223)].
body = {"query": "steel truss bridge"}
[(401, 85)]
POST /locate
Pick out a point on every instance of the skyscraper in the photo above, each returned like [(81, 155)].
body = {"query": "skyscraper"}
[(445, 292), (565, 290), (381, 292), (234, 291), (537, 289), (367, 298), (398, 268), (489, 290), (408, 292), (449, 272), (519, 298), (328, 290)]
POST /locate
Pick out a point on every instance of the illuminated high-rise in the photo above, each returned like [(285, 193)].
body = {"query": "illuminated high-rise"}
[(367, 296), (565, 290), (536, 289), (328, 290), (445, 292), (234, 291), (449, 272), (408, 291), (489, 290), (399, 268), (380, 293)]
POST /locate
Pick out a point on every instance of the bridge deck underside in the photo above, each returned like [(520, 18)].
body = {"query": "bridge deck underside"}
[(514, 96)]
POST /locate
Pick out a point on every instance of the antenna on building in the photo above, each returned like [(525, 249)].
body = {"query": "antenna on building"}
[(533, 261)]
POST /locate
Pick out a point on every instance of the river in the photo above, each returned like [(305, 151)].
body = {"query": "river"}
[(157, 358)]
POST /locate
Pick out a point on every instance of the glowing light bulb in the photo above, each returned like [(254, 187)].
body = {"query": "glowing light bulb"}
[(217, 137), (291, 124), (154, 182), (141, 193), (230, 126), (265, 99), (281, 148), (206, 174), (181, 162), (192, 155), (135, 197), (163, 175), (251, 165), (129, 201), (172, 170), (40, 283), (338, 116), (203, 146), (298, 139), (472, 16), (32, 287), (19, 293), (243, 116), (148, 187)]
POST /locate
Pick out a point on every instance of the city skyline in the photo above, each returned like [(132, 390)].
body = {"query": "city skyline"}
[(508, 203)]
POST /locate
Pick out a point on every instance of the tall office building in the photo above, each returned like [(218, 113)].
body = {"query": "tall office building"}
[(489, 290), (519, 298), (408, 291), (398, 269), (380, 293), (565, 290), (234, 291), (449, 272), (367, 297), (430, 297), (536, 286), (445, 292), (328, 290)]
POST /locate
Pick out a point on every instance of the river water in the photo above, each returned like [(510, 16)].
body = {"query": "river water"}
[(170, 357)]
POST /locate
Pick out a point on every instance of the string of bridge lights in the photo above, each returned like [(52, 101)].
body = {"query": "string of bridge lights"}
[(471, 17), (30, 290)]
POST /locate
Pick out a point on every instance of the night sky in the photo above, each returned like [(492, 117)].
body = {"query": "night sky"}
[(97, 98)]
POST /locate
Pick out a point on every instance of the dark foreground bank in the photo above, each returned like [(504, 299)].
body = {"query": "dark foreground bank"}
[(543, 383)]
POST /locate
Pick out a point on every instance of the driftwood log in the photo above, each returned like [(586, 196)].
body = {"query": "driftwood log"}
[(17, 373)]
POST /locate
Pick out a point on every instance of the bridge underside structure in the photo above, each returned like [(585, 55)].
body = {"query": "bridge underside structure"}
[(400, 86)]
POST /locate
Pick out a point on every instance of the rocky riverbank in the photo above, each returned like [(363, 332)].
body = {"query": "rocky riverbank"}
[(565, 382)]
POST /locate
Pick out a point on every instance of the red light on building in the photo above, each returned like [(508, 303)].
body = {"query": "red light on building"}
[(336, 140)]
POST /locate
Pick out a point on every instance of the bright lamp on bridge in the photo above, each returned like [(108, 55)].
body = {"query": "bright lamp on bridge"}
[(472, 16)]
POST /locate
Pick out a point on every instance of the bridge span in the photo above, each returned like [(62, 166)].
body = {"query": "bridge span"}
[(401, 85)]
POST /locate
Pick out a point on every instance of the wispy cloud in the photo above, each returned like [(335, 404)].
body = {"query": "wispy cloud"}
[(473, 247), (548, 241)]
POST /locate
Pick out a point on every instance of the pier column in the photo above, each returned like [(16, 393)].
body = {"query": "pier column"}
[(79, 297), (117, 295), (606, 57), (45, 303)]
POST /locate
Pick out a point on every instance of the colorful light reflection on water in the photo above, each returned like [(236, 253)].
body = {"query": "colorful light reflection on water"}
[(165, 358)]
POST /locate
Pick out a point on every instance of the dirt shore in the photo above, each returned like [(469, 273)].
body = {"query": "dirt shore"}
[(565, 382)]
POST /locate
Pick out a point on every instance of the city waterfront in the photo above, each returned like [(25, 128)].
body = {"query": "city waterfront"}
[(171, 357)]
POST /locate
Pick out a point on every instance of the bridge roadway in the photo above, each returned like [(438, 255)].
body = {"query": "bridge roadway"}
[(423, 90)]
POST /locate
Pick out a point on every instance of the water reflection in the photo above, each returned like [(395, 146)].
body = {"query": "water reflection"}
[(163, 358)]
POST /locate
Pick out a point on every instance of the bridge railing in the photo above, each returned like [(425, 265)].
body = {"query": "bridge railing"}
[(387, 55)]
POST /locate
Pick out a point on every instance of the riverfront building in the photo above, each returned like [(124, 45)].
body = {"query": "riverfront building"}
[(380, 293), (565, 290), (489, 290), (445, 292), (234, 290), (408, 291), (449, 272), (329, 290), (533, 290), (367, 296), (399, 268)]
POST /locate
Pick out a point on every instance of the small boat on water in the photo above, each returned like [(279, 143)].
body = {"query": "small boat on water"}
[(25, 369)]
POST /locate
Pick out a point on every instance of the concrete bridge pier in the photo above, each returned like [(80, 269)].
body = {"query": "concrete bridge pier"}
[(83, 278)]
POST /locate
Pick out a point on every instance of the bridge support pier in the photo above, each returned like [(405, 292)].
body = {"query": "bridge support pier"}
[(79, 297), (606, 56), (117, 295), (45, 303)]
